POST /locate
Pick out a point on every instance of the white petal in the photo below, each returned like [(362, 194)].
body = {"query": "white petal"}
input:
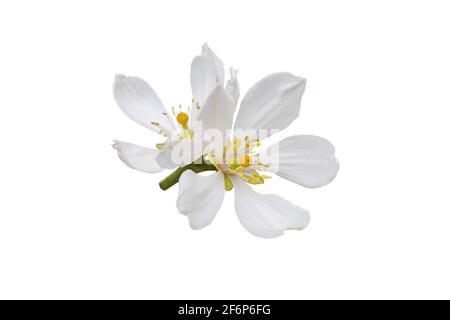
[(137, 157), (200, 197), (193, 116), (206, 73), (164, 157), (232, 87), (303, 159), (217, 112), (272, 103), (266, 215), (139, 102), (178, 153)]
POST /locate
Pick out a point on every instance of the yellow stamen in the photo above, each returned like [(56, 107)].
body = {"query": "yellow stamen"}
[(242, 163)]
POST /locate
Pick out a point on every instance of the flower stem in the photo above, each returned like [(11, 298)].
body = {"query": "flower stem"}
[(173, 178)]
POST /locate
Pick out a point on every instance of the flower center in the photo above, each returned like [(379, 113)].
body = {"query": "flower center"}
[(239, 158), (182, 118)]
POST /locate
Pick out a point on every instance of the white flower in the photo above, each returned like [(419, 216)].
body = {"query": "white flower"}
[(272, 103), (140, 102)]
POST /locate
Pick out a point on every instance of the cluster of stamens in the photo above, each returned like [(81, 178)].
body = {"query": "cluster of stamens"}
[(182, 117), (239, 158)]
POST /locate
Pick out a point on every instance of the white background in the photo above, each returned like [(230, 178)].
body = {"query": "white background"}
[(75, 222)]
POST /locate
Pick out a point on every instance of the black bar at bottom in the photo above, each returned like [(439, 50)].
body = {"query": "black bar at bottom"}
[(216, 309)]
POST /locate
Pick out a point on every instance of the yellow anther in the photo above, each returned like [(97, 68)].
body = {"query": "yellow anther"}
[(247, 160), (163, 133), (159, 146), (236, 144), (255, 143), (255, 180), (182, 119)]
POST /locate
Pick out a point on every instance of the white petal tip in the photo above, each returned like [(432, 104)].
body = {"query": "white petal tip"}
[(207, 52), (118, 81), (197, 226), (301, 81), (120, 76), (233, 73), (297, 228), (302, 225), (306, 219)]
